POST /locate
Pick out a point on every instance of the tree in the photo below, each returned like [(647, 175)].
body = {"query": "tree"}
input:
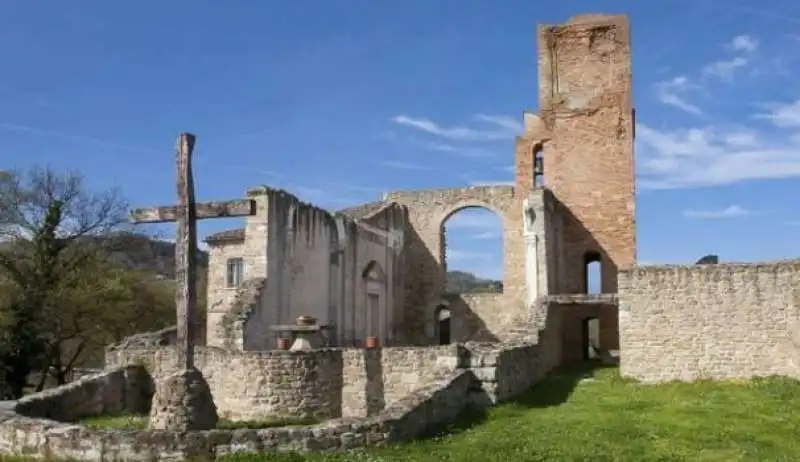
[(46, 222)]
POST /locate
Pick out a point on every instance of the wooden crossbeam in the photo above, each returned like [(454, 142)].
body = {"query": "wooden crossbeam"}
[(185, 214), (203, 210)]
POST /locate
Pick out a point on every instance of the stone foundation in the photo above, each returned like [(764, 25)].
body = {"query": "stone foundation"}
[(253, 385), (389, 395)]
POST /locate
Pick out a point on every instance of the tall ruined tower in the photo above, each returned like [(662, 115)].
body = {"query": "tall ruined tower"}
[(585, 141)]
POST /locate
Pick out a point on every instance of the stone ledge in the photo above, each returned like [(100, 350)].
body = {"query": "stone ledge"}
[(582, 299)]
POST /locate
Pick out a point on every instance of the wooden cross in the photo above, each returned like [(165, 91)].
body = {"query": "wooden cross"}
[(186, 214)]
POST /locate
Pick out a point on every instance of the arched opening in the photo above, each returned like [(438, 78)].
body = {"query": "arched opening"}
[(443, 335), (593, 273), (472, 251), (538, 166), (372, 312), (590, 338)]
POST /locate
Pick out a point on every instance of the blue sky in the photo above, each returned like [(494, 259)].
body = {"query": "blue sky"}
[(338, 101)]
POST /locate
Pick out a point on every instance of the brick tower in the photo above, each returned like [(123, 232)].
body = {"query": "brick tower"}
[(586, 143)]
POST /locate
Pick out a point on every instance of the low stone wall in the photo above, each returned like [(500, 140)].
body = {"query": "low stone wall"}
[(439, 401), (504, 370), (252, 385), (710, 321), (122, 390), (377, 378), (399, 392)]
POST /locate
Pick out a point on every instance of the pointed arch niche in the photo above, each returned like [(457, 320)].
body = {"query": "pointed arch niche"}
[(374, 300)]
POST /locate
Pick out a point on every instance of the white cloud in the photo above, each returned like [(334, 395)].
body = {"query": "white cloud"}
[(716, 154), (494, 128), (744, 43), (673, 93), (712, 156), (399, 165), (784, 115), (731, 211), (724, 69)]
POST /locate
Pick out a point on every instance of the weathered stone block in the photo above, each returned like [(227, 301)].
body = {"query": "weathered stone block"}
[(183, 402)]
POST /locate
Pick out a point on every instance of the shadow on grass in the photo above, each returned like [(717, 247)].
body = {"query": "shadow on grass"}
[(556, 388), (553, 390)]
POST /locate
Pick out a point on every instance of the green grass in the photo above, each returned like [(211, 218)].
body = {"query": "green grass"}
[(610, 419), (606, 418), (139, 422)]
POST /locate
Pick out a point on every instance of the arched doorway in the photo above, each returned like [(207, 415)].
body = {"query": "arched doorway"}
[(592, 273), (590, 338), (443, 327)]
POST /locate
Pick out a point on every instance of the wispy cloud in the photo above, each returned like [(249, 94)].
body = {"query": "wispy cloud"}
[(732, 211), (724, 69), (783, 115), (744, 43), (493, 127), (673, 92), (719, 155), (400, 165), (676, 92), (744, 46)]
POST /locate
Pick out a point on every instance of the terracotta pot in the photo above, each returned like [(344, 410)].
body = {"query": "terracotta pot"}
[(371, 342), (284, 344)]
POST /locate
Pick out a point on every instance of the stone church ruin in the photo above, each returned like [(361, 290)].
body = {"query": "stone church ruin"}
[(338, 316)]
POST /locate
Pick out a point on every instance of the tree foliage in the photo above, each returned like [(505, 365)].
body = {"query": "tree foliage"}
[(62, 298)]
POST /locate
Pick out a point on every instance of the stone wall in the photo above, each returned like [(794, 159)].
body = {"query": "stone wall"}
[(309, 262), (425, 272), (250, 385), (220, 297), (378, 378), (127, 389), (439, 401), (710, 321), (422, 387)]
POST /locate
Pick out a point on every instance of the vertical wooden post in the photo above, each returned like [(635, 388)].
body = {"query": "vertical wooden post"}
[(186, 253)]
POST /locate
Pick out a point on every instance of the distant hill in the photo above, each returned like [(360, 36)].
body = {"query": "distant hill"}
[(461, 282), (157, 256), (140, 252)]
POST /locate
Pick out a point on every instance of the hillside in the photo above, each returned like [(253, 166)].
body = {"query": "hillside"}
[(157, 256)]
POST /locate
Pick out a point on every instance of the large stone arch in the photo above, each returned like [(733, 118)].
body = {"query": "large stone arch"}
[(459, 206), (428, 210)]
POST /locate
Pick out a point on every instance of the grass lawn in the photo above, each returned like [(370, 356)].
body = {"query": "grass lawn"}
[(606, 418), (596, 416)]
